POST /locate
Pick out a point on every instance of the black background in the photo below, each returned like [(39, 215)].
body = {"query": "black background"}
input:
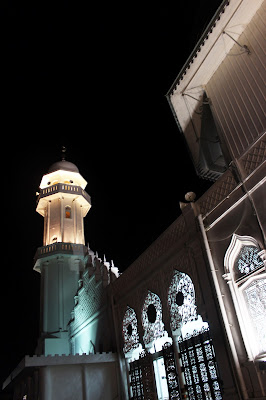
[(92, 78)]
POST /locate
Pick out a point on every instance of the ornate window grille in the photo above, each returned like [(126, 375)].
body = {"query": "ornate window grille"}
[(142, 378), (171, 372), (181, 300), (130, 330), (152, 318), (247, 261), (199, 366), (135, 373), (195, 344)]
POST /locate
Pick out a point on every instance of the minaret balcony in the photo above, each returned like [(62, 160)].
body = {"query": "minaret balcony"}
[(64, 188), (75, 249), (68, 189)]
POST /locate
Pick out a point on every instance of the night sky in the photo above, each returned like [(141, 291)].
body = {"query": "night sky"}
[(92, 78)]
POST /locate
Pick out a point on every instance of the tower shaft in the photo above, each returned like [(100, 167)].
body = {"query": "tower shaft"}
[(63, 203)]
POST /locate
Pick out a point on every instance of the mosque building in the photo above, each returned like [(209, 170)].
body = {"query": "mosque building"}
[(187, 319)]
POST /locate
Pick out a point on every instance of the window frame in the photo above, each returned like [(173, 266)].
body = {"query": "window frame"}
[(237, 286), (68, 210)]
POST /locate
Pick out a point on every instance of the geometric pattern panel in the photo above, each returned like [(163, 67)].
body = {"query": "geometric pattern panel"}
[(142, 378), (200, 369), (243, 257), (136, 384), (216, 194), (88, 301), (255, 157), (247, 261)]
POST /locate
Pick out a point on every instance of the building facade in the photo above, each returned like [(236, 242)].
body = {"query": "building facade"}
[(187, 318), (197, 295)]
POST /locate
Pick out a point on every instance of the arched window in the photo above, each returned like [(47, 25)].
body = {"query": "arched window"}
[(245, 273), (152, 321), (194, 340), (130, 330), (181, 300), (68, 212), (155, 339)]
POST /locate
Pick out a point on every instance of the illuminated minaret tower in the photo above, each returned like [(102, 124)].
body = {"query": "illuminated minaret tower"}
[(63, 203)]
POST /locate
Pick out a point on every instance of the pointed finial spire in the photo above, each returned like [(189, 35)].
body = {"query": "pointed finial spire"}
[(63, 153), (114, 269)]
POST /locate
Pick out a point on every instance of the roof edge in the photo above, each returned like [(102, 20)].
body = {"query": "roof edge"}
[(198, 46)]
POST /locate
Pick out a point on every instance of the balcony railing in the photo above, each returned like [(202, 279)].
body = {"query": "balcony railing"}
[(63, 188), (61, 247)]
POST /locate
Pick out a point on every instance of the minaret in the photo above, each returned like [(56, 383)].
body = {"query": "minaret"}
[(63, 203)]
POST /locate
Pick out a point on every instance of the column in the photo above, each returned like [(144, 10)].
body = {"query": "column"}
[(175, 336)]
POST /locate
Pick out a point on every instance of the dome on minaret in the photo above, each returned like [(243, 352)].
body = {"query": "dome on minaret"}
[(63, 171), (63, 165)]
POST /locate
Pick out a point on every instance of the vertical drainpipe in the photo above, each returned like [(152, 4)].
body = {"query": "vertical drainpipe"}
[(222, 308)]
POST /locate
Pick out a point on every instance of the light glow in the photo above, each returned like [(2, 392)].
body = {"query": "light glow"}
[(61, 176), (160, 377), (244, 265)]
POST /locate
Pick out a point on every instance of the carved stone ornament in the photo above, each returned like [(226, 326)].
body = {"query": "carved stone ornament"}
[(243, 257)]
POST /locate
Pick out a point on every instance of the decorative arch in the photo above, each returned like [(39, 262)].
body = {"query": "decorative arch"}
[(130, 330), (181, 300), (242, 258), (152, 323), (194, 340), (244, 264)]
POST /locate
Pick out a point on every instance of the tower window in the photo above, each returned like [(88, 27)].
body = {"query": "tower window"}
[(68, 212)]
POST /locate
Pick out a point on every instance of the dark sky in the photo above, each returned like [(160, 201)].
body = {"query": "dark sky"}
[(92, 78)]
